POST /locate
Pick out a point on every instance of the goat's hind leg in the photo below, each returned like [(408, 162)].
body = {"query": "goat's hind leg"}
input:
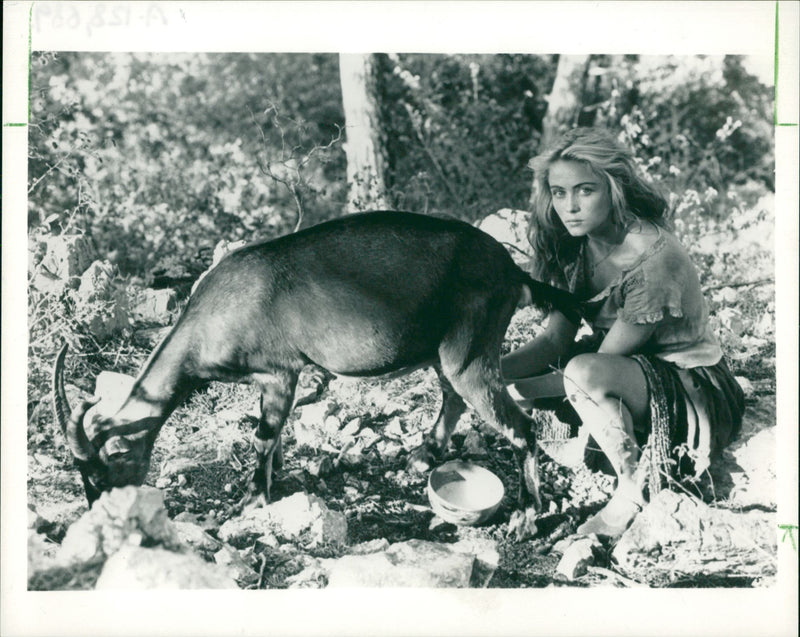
[(277, 394), (435, 443), (481, 384)]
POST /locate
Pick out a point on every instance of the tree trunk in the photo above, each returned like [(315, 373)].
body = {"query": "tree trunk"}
[(365, 150), (563, 102)]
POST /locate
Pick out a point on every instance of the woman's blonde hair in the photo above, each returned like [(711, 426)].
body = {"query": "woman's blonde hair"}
[(631, 196)]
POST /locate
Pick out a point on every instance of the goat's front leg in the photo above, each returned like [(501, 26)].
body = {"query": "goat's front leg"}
[(277, 394)]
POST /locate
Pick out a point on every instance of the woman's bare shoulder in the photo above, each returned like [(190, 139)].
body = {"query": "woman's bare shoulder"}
[(639, 241)]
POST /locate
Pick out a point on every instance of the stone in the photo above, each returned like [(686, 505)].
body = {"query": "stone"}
[(195, 537), (232, 562), (100, 305), (95, 283), (65, 258), (151, 336), (127, 516), (178, 466), (320, 465), (577, 558), (316, 424), (744, 473), (138, 568), (35, 521), (41, 552), (222, 248), (299, 518), (416, 563), (746, 385), (154, 306), (509, 227), (487, 558), (474, 443), (677, 532)]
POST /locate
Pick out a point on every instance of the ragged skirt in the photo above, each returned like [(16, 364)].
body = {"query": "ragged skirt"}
[(694, 414)]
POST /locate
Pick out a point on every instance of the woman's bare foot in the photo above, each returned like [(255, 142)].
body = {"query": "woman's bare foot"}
[(612, 520)]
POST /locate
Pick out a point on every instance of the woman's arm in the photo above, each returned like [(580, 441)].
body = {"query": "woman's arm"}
[(625, 339), (538, 356)]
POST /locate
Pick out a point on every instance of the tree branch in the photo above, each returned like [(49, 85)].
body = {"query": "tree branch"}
[(740, 284)]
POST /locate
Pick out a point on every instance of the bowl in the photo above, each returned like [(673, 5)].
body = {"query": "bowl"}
[(464, 493)]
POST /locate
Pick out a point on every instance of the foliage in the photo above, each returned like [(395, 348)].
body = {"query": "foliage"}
[(159, 155), (463, 128)]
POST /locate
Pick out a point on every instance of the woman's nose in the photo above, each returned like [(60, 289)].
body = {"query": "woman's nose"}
[(572, 203)]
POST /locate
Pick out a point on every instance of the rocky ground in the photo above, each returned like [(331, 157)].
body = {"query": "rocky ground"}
[(346, 511)]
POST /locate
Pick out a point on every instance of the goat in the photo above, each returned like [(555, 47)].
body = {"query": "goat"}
[(364, 295)]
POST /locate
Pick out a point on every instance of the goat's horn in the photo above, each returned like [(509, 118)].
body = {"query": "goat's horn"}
[(71, 423)]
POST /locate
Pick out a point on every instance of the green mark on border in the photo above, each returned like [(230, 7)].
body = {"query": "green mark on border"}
[(15, 124)]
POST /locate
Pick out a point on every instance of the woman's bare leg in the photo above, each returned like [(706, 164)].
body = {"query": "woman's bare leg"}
[(610, 394)]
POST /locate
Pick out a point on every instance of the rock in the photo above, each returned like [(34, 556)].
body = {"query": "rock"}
[(178, 466), (474, 443), (746, 385), (744, 473), (137, 568), (95, 283), (41, 552), (112, 388), (300, 518), (65, 258), (101, 306), (371, 546), (510, 227), (222, 248), (152, 336), (154, 306), (577, 558), (676, 532), (315, 424), (35, 521), (236, 567), (195, 537), (320, 466), (487, 558), (415, 563), (367, 436), (130, 515), (389, 449)]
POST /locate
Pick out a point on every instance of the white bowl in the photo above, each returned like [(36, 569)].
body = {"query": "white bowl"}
[(464, 493)]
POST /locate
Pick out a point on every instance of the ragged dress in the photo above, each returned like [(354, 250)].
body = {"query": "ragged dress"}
[(696, 405)]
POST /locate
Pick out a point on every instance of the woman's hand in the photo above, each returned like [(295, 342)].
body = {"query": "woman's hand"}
[(543, 352)]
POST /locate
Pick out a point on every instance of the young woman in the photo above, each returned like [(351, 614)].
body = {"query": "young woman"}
[(651, 378)]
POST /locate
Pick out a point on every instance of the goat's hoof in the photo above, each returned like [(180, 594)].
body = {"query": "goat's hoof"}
[(522, 524), (420, 460)]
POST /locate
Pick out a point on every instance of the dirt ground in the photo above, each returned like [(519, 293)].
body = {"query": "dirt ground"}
[(350, 447)]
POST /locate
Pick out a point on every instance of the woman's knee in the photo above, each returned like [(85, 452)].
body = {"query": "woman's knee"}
[(596, 378), (585, 375)]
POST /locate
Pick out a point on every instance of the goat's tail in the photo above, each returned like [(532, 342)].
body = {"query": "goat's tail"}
[(547, 297)]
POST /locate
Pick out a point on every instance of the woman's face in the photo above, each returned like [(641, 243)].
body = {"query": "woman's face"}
[(580, 199)]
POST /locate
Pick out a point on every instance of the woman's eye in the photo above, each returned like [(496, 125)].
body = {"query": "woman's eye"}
[(557, 194), (586, 191)]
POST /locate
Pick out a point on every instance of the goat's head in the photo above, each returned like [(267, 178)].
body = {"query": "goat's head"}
[(116, 455)]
